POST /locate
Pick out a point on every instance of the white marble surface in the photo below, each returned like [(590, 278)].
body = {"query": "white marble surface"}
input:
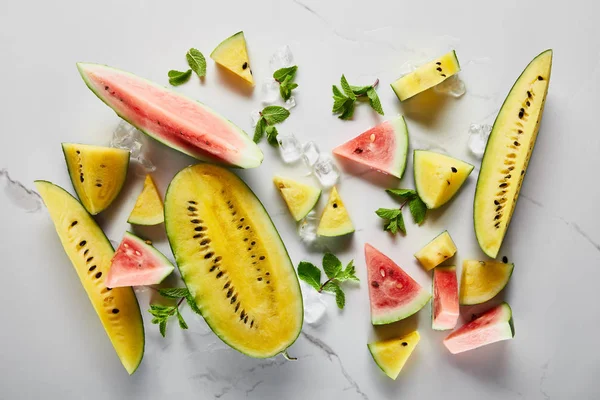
[(51, 343)]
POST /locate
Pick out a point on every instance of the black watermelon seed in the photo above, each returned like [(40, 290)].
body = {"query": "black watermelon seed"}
[(358, 150), (98, 184), (508, 176), (208, 255), (439, 69), (504, 259), (259, 279), (438, 63), (511, 168), (192, 202), (93, 267), (520, 131), (108, 289), (268, 282), (220, 274), (86, 251), (212, 268), (540, 78), (190, 208), (73, 223), (253, 243), (529, 94), (242, 219), (89, 259), (251, 323), (247, 227), (246, 319), (335, 205), (503, 185), (496, 202), (375, 284), (245, 239), (497, 217), (227, 285), (521, 113), (522, 172), (82, 243), (242, 314), (528, 103), (261, 257), (234, 298), (229, 293), (268, 273), (204, 242), (199, 228), (517, 143), (240, 226), (105, 88), (99, 274), (195, 221), (245, 65), (498, 208), (197, 235), (454, 170), (237, 307), (81, 178), (404, 344), (115, 310), (448, 181), (217, 259), (444, 75)]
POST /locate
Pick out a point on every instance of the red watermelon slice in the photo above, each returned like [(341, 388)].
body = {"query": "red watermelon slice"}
[(383, 147), (491, 327), (137, 263), (394, 294), (444, 307), (176, 120)]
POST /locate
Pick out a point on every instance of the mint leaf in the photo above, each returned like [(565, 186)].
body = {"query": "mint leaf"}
[(259, 130), (404, 194), (196, 61), (360, 90), (346, 88), (338, 104), (192, 303), (272, 133), (162, 327), (349, 273), (173, 293), (388, 213), (283, 73), (331, 265), (418, 209), (340, 298), (348, 109), (330, 286), (182, 323), (391, 226), (337, 92), (374, 100), (400, 223), (177, 78), (275, 114), (286, 87), (310, 274)]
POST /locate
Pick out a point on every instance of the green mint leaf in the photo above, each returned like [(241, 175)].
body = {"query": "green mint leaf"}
[(272, 133), (391, 226), (182, 323), (418, 210), (346, 88), (197, 62), (374, 100), (400, 223), (404, 194), (173, 293), (284, 73), (310, 274), (177, 78), (349, 273), (275, 114), (162, 327), (286, 87), (192, 303), (348, 109), (337, 92), (338, 104), (360, 90), (259, 130), (340, 298), (331, 265), (156, 320), (388, 213), (330, 287)]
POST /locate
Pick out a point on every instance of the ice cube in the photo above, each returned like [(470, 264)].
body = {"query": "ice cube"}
[(314, 305), (478, 137), (254, 117), (452, 86), (281, 58), (127, 137), (27, 199), (289, 148), (269, 92), (310, 153), (407, 68), (326, 171), (290, 103), (307, 229)]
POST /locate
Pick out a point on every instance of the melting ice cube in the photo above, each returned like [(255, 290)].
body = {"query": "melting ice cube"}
[(269, 92), (310, 153), (19, 195), (314, 305), (326, 171), (452, 86), (289, 148), (127, 137), (281, 58), (290, 103), (307, 229), (478, 137)]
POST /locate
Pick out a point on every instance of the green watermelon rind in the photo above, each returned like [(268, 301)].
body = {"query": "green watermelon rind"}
[(414, 306), (377, 361), (242, 134)]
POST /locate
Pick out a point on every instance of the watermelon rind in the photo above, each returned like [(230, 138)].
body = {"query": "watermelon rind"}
[(414, 306)]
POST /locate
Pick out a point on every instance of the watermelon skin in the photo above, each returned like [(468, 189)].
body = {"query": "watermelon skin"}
[(175, 120), (493, 326), (444, 307), (383, 147), (393, 293), (137, 263)]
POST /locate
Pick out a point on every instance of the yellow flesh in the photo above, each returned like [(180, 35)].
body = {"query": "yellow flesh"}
[(480, 281), (391, 355), (426, 76), (98, 173), (300, 198), (507, 154), (148, 209), (233, 233), (435, 179), (435, 252), (335, 220), (88, 248), (232, 54)]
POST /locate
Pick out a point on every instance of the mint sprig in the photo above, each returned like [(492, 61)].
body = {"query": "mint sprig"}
[(344, 102), (285, 78), (161, 313), (394, 220), (332, 266), (177, 78), (269, 116), (196, 61)]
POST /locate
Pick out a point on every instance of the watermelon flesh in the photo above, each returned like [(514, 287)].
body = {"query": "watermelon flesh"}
[(445, 298), (491, 327), (394, 294), (176, 120), (383, 147), (137, 263)]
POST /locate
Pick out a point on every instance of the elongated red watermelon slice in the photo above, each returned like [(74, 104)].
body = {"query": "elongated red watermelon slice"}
[(137, 263), (394, 294), (491, 327), (383, 147), (176, 120), (444, 307)]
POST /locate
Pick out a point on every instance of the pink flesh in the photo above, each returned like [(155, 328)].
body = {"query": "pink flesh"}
[(389, 286), (378, 154), (445, 298), (170, 117), (129, 268), (484, 330)]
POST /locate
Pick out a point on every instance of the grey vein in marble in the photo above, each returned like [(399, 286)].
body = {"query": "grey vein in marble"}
[(585, 235)]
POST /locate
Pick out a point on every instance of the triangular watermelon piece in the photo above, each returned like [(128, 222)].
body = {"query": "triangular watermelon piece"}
[(149, 208), (391, 355), (383, 147), (394, 294), (299, 197), (137, 263), (335, 220)]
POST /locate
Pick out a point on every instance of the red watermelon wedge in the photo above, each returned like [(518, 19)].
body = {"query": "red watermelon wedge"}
[(176, 120), (137, 263), (394, 294), (383, 147), (491, 327), (444, 307)]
